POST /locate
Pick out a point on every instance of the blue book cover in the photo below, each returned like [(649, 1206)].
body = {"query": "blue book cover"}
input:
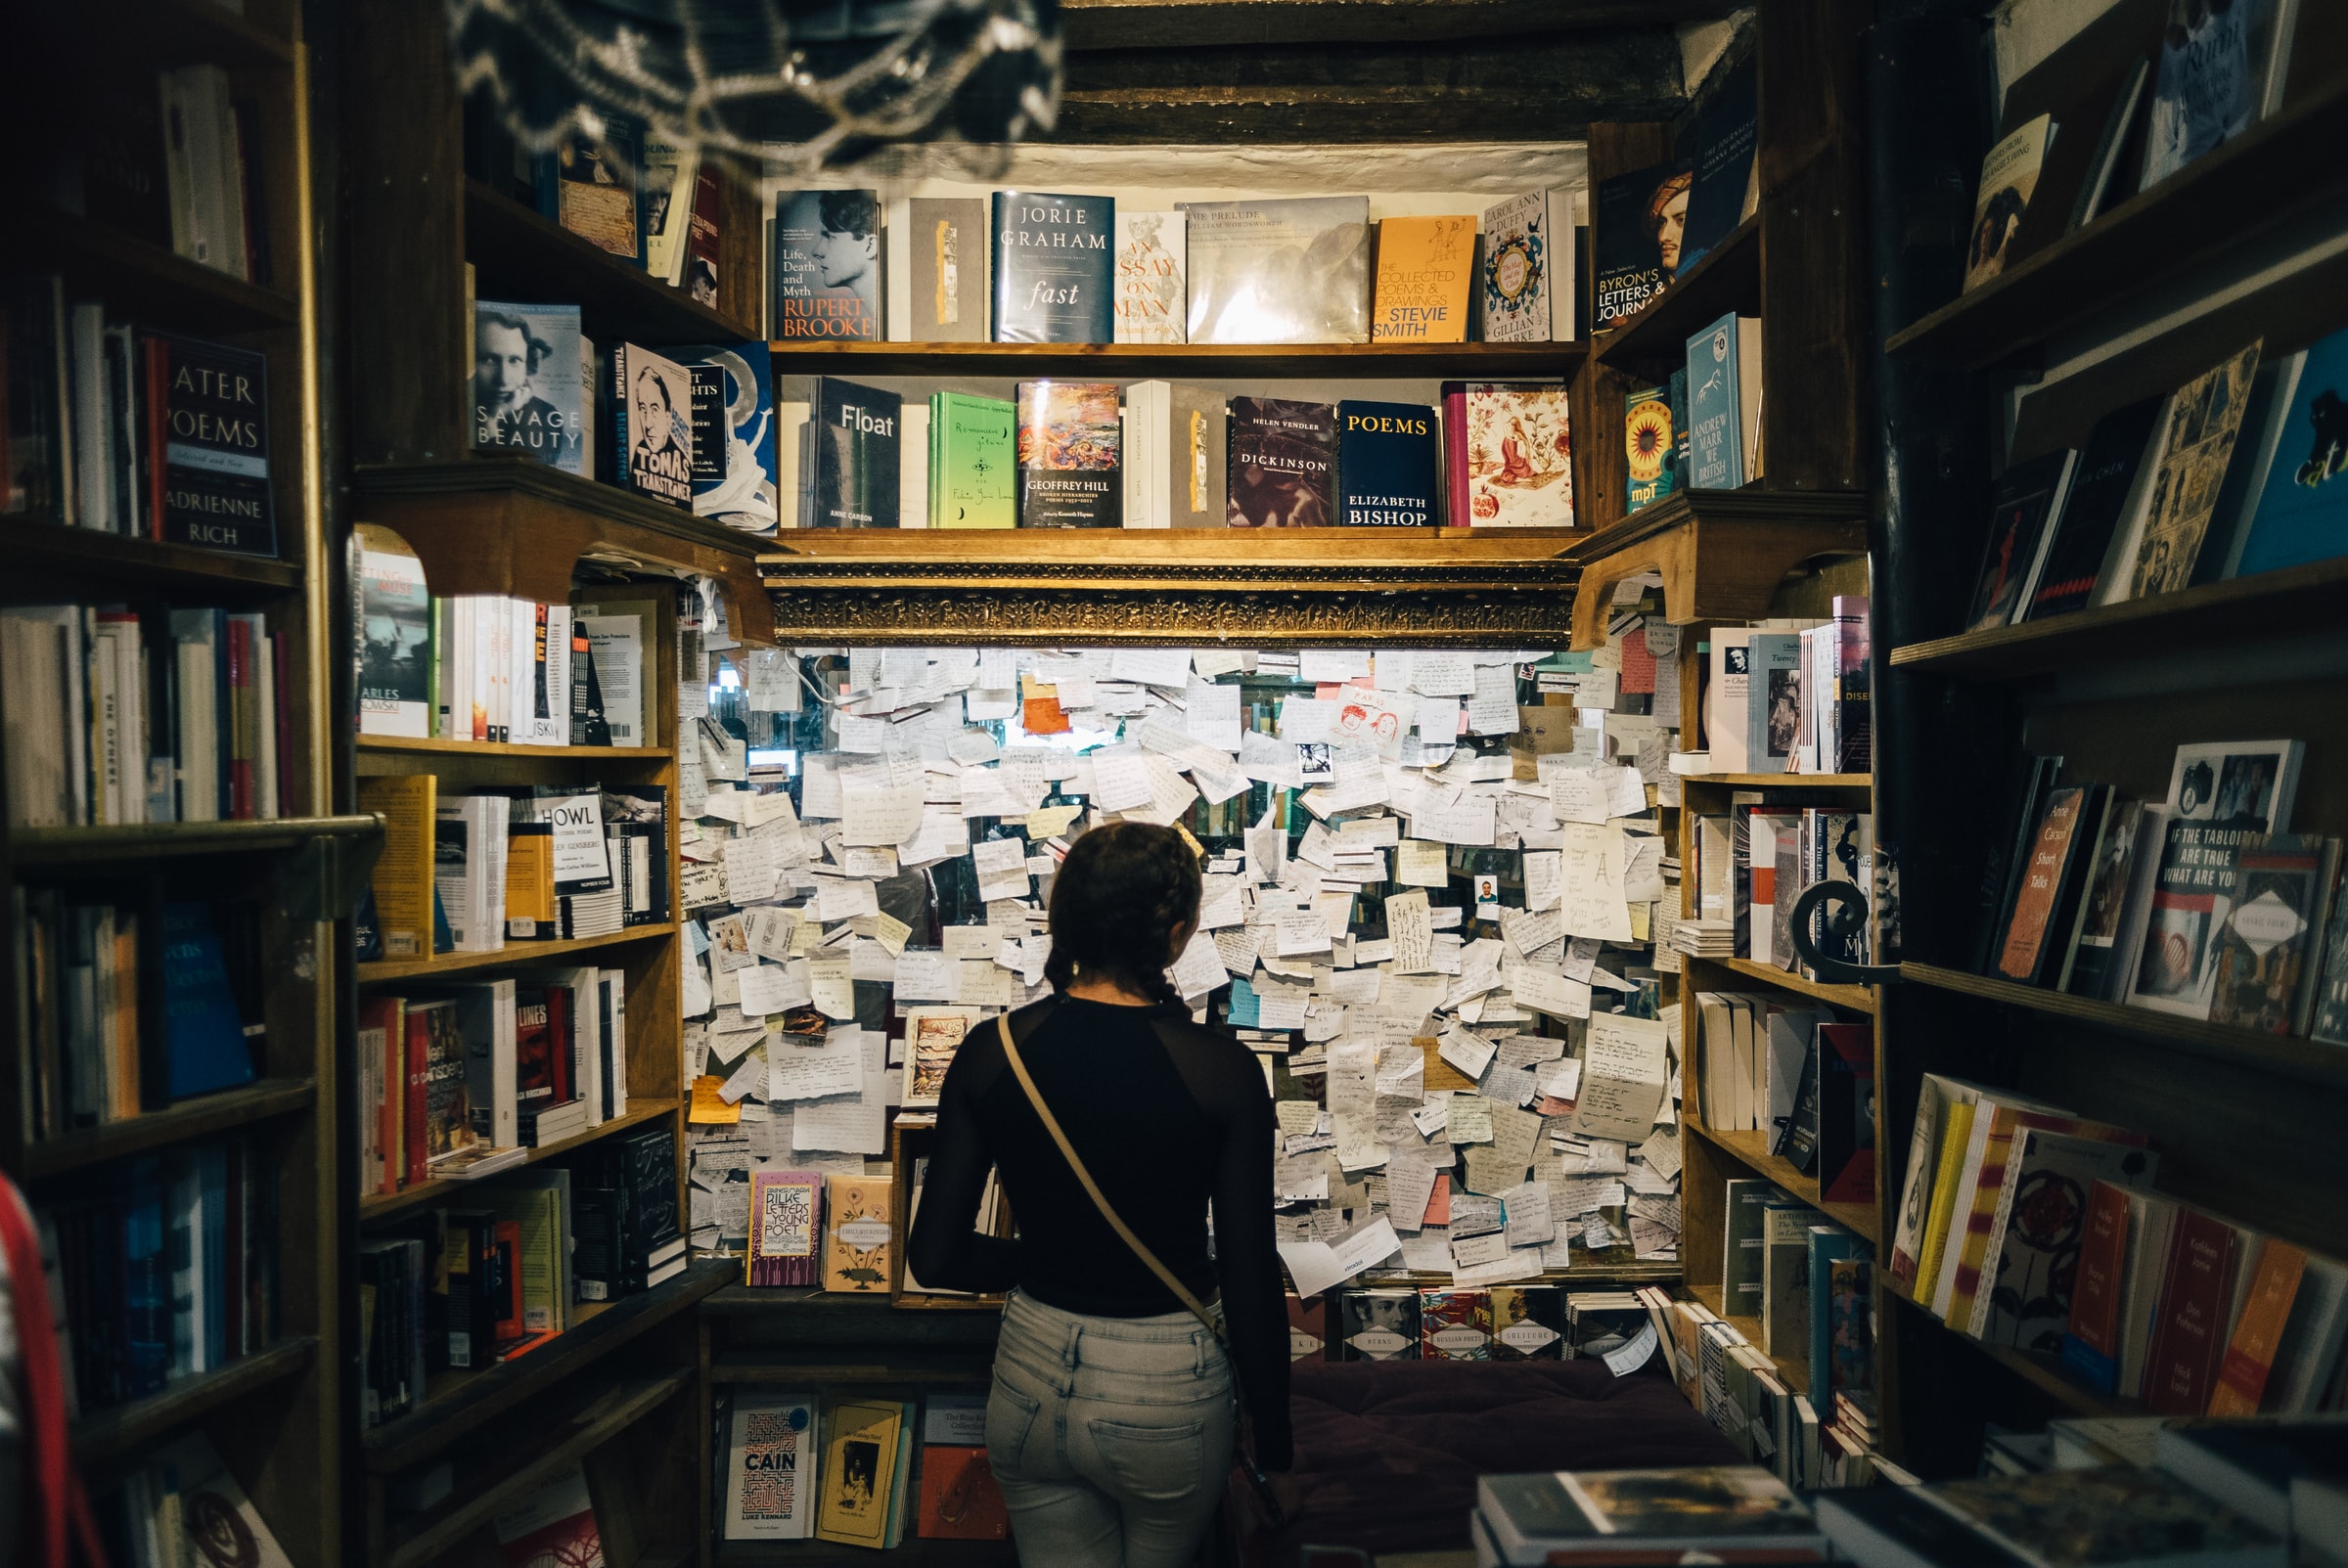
[(1715, 404), (1826, 1243), (1773, 700), (1385, 465), (1053, 257), (145, 1282), (1724, 138), (203, 1038), (2093, 1367), (2302, 511), (736, 479)]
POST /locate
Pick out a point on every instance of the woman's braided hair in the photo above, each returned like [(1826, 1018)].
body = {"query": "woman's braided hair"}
[(1116, 903)]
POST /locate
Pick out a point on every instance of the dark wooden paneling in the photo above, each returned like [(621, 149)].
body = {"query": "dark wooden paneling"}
[(1601, 470), (742, 250), (1211, 24)]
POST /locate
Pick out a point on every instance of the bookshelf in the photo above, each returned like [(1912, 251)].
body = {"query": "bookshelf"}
[(2245, 1122), (275, 1411)]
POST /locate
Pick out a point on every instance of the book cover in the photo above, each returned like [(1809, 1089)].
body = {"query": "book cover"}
[(1280, 271), (2222, 797), (402, 878), (1785, 1300), (2195, 1301), (2091, 1341), (1308, 1328), (2115, 1515), (1454, 1325), (1380, 1323), (1724, 189), (1197, 446), (1425, 275), (2053, 854), (857, 1235), (1152, 302), (2209, 82), (826, 266), (1518, 296), (2331, 1021), (859, 455), (2203, 419), (1773, 700), (554, 1524), (2026, 495), (667, 177), (2301, 510), (1385, 464), (1639, 224), (1720, 1506), (1053, 261), (735, 479), (1846, 1112), (1648, 443), (1838, 1336), (2258, 1334), (215, 437), (2089, 967), (528, 391), (203, 1035), (933, 1035), (696, 267), (1070, 454), (446, 1125), (970, 481), (960, 1500), (861, 1439), (948, 274), (786, 1225), (770, 1473), (2265, 956), (590, 186), (1745, 1225), (2039, 1230), (1281, 473), (394, 615), (2008, 177), (2104, 487), (1851, 1321), (1724, 394), (1529, 1323), (1510, 455), (652, 423), (212, 1509)]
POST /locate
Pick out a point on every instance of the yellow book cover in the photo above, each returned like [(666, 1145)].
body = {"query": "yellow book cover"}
[(2258, 1334), (859, 1470), (529, 881), (856, 1232), (404, 872), (1425, 267), (1954, 1136)]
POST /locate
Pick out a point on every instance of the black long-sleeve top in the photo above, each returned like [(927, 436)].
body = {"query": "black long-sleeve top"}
[(1170, 1118)]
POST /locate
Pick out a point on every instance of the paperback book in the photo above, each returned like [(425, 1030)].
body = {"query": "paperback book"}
[(1514, 265), (1151, 300), (2223, 797), (1283, 463), (973, 459), (2301, 499), (2009, 178), (652, 398), (216, 447), (858, 454), (1425, 277), (736, 480), (1725, 188), (2203, 419), (1509, 459), (529, 383), (948, 255)]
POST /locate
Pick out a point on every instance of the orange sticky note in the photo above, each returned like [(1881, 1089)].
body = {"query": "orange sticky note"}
[(709, 1107), (1438, 1202), (1041, 715)]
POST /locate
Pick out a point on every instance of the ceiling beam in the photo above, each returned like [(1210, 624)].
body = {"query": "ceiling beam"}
[(1211, 24)]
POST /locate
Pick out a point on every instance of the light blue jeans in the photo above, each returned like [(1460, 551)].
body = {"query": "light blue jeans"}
[(1111, 1437)]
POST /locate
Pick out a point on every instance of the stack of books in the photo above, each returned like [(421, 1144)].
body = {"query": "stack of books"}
[(1732, 1513), (844, 1469)]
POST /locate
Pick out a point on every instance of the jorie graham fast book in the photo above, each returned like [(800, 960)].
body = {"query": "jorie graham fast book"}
[(1054, 268)]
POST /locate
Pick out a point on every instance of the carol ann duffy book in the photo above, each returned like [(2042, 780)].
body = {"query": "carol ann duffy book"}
[(1069, 454), (1291, 271), (1054, 268)]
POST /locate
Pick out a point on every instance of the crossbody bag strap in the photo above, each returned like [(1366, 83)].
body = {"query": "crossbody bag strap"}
[(1165, 1276)]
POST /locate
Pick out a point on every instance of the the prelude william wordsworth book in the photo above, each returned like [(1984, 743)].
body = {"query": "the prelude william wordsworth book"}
[(1054, 272), (1282, 463), (1070, 455), (1287, 271)]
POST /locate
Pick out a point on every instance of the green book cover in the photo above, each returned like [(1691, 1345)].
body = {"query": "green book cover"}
[(974, 468)]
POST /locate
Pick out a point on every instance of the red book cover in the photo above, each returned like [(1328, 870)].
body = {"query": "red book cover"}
[(418, 1075), (508, 1306), (154, 357), (2101, 1272), (533, 1050), (960, 1501), (1455, 453), (2023, 956), (2188, 1334), (1846, 1111), (284, 718), (1454, 1325), (383, 1013), (239, 693), (1308, 1328), (563, 1039)]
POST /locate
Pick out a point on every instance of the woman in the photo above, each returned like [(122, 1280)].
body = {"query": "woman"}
[(1110, 1427)]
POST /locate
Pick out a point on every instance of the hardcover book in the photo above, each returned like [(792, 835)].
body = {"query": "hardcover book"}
[(1639, 225), (827, 265), (1846, 1112), (2265, 959), (1281, 473), (974, 456), (1529, 1323), (771, 1472), (858, 1234), (2031, 1266), (1519, 301), (2301, 506), (1385, 465), (447, 1122), (394, 615), (1053, 263), (948, 274), (2211, 81), (2066, 825), (216, 447), (1069, 449), (2090, 1342), (2107, 485), (2203, 419), (1380, 1323), (1426, 277), (1725, 188), (698, 268), (2222, 796), (2026, 496), (960, 1500), (858, 453), (1724, 404), (1151, 300), (1308, 1328), (2089, 966), (1454, 1325), (1285, 271), (2330, 1023), (736, 479), (1647, 438), (203, 1032), (651, 424), (1178, 437), (2008, 177), (1509, 455)]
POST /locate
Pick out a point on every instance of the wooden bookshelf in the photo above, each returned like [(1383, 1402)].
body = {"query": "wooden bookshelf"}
[(1194, 361), (374, 1206), (389, 972), (173, 840), (154, 281), (2045, 1374), (1744, 971), (1722, 554), (1751, 1150), (52, 551), (1793, 1370), (455, 749), (1655, 338), (915, 1552), (517, 254), (198, 1117)]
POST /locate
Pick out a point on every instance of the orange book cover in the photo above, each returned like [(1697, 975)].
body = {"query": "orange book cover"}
[(856, 1232), (960, 1501), (2250, 1355), (2023, 953), (1425, 267)]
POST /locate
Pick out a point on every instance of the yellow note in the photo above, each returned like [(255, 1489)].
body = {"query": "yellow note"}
[(1049, 822), (709, 1107)]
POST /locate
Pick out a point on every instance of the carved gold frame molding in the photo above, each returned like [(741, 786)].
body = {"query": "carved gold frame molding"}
[(1304, 586)]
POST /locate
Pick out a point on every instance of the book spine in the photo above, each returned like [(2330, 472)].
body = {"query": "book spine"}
[(415, 1084)]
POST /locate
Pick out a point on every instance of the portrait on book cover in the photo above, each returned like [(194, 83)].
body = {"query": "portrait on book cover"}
[(859, 1470), (523, 392)]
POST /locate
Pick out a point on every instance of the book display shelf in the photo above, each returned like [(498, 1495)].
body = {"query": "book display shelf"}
[(266, 886), (2245, 1122)]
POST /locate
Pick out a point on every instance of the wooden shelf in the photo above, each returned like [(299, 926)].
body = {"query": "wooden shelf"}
[(517, 254), (198, 1117), (121, 1429), (2046, 1373), (459, 1402), (2213, 205), (1138, 361), (915, 1552), (374, 1206), (46, 558), (389, 970), (434, 745), (1727, 278), (154, 285), (57, 846), (736, 1368), (1782, 780), (1857, 998), (506, 525), (2308, 1060), (2270, 606), (1793, 1370), (1721, 553), (1751, 1150), (423, 1539)]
